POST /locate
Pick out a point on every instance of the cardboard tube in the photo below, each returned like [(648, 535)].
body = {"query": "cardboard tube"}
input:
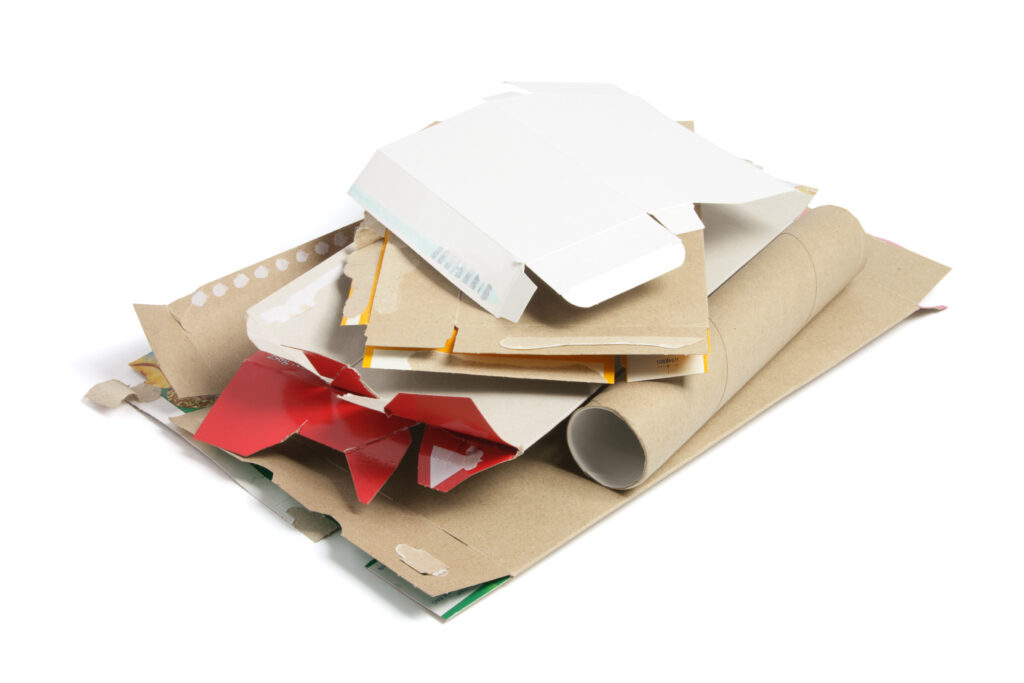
[(629, 430)]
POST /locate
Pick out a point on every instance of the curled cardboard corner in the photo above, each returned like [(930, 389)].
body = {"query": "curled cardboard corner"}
[(421, 560), (113, 393)]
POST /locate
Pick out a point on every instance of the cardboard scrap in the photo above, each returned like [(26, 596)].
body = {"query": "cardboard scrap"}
[(418, 321), (586, 186), (415, 307), (501, 523), (113, 393), (300, 322), (271, 399), (198, 350)]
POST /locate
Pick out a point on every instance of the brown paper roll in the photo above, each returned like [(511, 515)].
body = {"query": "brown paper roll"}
[(629, 430)]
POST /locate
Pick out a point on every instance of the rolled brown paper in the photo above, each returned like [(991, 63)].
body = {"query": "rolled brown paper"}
[(629, 430)]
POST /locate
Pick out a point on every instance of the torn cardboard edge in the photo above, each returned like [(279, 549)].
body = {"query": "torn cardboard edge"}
[(589, 219), (112, 393), (199, 354), (272, 399)]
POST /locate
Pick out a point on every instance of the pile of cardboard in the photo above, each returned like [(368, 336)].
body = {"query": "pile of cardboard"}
[(406, 378)]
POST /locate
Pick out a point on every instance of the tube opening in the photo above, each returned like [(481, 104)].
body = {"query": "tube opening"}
[(605, 447)]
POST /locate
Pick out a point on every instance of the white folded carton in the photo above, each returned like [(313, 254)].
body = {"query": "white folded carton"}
[(585, 185)]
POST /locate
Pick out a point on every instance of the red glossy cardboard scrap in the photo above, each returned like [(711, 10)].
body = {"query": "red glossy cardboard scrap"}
[(373, 464), (271, 398), (447, 459), (341, 376)]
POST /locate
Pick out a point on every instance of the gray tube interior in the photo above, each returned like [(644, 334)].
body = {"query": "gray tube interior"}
[(605, 447)]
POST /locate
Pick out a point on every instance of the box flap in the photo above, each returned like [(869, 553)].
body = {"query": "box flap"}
[(585, 188)]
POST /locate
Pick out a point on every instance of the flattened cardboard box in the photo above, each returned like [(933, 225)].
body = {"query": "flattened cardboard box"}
[(585, 185), (501, 523), (415, 320)]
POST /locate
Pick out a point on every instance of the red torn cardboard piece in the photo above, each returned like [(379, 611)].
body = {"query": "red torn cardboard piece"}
[(447, 459), (270, 399)]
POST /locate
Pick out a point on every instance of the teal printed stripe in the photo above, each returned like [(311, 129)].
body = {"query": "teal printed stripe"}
[(453, 267)]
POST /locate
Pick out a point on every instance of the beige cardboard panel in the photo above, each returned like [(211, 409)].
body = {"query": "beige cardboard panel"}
[(627, 432), (416, 307), (413, 305), (319, 479), (185, 365), (514, 515), (361, 269), (201, 338)]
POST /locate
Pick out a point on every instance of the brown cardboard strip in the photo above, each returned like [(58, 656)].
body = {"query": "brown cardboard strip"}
[(200, 339), (628, 431), (112, 393), (508, 518)]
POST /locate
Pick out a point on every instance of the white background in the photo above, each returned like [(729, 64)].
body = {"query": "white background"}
[(867, 528)]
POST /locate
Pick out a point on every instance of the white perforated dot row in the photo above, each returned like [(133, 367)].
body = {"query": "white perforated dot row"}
[(219, 289)]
